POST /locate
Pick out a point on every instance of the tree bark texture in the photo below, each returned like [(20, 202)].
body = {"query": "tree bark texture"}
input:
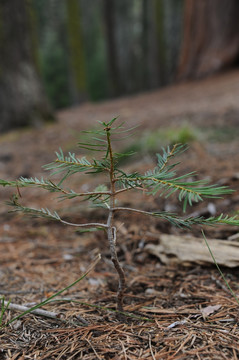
[(22, 99), (76, 51), (111, 47), (211, 37)]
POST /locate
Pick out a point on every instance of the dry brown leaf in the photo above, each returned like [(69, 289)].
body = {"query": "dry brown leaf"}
[(210, 310)]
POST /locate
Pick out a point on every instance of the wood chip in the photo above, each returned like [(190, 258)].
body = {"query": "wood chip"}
[(186, 250)]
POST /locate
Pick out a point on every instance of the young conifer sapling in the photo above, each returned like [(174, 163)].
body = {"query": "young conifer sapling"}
[(162, 180)]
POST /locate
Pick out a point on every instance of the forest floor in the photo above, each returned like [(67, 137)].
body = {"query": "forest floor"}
[(176, 310)]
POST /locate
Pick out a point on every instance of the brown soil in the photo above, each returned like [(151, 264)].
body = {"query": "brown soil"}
[(164, 303)]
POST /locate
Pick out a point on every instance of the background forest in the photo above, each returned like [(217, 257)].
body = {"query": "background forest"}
[(99, 49), (64, 52)]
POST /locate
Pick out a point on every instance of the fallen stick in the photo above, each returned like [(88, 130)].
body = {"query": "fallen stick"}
[(40, 312)]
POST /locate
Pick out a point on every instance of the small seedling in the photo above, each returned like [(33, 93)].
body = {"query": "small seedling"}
[(4, 308), (162, 180)]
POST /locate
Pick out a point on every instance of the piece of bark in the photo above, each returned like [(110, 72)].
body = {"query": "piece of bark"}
[(186, 250)]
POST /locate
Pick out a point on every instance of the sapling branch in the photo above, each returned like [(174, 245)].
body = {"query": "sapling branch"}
[(97, 225)]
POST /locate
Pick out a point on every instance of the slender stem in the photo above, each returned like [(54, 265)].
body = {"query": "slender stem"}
[(128, 189), (168, 183), (170, 154), (84, 225), (90, 193), (133, 210), (111, 232)]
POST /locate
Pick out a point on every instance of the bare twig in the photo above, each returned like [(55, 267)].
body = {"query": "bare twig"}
[(151, 350), (40, 312), (84, 225), (89, 342), (132, 210)]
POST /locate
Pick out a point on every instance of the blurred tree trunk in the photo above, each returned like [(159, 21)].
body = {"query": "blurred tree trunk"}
[(168, 30), (93, 31), (150, 71), (127, 32), (111, 46), (211, 37), (22, 100), (77, 53), (53, 50)]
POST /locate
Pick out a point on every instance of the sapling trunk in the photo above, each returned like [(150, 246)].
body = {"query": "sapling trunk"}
[(111, 231)]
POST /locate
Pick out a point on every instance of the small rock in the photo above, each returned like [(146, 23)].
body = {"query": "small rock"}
[(68, 257)]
